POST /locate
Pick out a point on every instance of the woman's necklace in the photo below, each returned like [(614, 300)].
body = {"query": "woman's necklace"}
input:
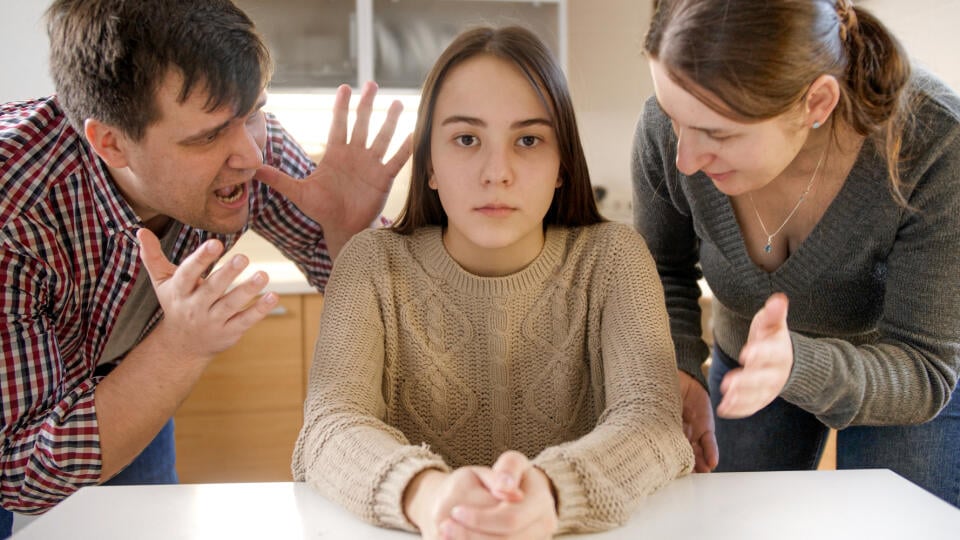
[(769, 247)]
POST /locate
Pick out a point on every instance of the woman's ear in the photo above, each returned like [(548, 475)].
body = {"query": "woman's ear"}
[(107, 141), (822, 99), (431, 180)]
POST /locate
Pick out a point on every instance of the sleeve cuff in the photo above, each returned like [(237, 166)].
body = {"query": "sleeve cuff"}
[(573, 506), (690, 358), (388, 503)]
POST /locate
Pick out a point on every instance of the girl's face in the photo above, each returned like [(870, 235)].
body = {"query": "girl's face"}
[(495, 164), (738, 157)]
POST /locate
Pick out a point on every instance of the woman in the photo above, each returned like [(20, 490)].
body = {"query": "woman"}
[(498, 364), (793, 155)]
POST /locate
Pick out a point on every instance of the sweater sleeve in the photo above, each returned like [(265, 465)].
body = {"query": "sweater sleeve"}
[(638, 444), (345, 449), (664, 219), (909, 374)]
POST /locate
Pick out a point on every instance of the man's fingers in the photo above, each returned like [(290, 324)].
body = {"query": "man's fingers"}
[(278, 180), (239, 297), (361, 125), (341, 107), (387, 129), (242, 321), (158, 267), (190, 272), (219, 281), (400, 157), (185, 277)]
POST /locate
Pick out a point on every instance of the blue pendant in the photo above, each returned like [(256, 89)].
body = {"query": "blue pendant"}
[(767, 248)]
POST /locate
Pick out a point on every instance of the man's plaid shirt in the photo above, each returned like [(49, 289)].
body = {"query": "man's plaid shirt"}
[(68, 260)]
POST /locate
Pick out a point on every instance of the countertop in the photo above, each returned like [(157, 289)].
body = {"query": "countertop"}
[(796, 505)]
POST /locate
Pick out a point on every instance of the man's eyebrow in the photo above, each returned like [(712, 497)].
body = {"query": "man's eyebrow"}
[(220, 127), (206, 132)]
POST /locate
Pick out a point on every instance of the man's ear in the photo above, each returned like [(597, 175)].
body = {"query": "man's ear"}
[(107, 141), (822, 99)]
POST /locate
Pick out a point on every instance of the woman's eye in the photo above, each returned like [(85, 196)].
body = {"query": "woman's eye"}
[(528, 141), (466, 140)]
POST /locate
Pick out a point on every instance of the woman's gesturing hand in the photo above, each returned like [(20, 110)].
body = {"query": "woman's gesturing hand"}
[(767, 360)]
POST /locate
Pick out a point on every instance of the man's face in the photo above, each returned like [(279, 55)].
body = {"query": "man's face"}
[(193, 165)]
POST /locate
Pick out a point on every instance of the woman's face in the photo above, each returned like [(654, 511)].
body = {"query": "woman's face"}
[(738, 157)]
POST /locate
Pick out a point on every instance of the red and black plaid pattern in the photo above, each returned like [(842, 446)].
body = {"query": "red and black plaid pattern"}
[(68, 260)]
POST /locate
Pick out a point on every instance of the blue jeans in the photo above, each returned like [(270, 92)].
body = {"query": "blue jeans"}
[(783, 436), (155, 465)]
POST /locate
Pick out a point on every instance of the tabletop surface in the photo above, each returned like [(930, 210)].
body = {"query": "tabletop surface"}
[(874, 504)]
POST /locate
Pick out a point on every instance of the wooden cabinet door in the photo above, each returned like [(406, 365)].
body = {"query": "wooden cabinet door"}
[(312, 308), (242, 419)]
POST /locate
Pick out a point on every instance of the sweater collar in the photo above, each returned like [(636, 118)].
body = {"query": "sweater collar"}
[(428, 247)]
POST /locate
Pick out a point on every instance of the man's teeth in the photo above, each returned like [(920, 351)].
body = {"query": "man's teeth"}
[(230, 195)]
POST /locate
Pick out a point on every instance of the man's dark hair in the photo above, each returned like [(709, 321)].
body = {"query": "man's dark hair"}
[(109, 57)]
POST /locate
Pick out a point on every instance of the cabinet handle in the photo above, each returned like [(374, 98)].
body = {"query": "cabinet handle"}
[(278, 311)]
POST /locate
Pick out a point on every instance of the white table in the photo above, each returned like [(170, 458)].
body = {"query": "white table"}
[(817, 505)]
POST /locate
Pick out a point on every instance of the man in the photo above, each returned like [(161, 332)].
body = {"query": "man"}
[(120, 192)]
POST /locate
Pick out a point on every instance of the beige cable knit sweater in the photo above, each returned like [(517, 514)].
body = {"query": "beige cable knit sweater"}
[(420, 364)]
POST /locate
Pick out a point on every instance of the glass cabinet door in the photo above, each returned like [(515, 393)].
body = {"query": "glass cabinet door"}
[(409, 35), (313, 42), (320, 44)]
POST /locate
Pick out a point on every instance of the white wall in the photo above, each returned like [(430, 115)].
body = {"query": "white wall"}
[(24, 61), (609, 82), (927, 29)]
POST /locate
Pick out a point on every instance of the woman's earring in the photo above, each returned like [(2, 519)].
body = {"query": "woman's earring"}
[(816, 125)]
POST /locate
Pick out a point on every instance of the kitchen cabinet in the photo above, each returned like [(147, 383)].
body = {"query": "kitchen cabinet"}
[(319, 44), (242, 419)]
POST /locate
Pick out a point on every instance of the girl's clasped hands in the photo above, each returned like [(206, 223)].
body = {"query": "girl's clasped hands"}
[(513, 499)]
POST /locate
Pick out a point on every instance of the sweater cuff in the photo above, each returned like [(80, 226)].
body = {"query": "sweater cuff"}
[(573, 506), (811, 370), (389, 498), (690, 358)]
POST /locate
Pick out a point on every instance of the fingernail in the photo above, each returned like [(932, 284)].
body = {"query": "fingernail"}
[(458, 513), (506, 482), (238, 261), (259, 278)]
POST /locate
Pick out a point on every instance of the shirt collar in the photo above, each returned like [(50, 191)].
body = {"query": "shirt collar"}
[(114, 212)]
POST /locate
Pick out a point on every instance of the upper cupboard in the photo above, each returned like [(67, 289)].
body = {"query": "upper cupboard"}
[(320, 44)]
